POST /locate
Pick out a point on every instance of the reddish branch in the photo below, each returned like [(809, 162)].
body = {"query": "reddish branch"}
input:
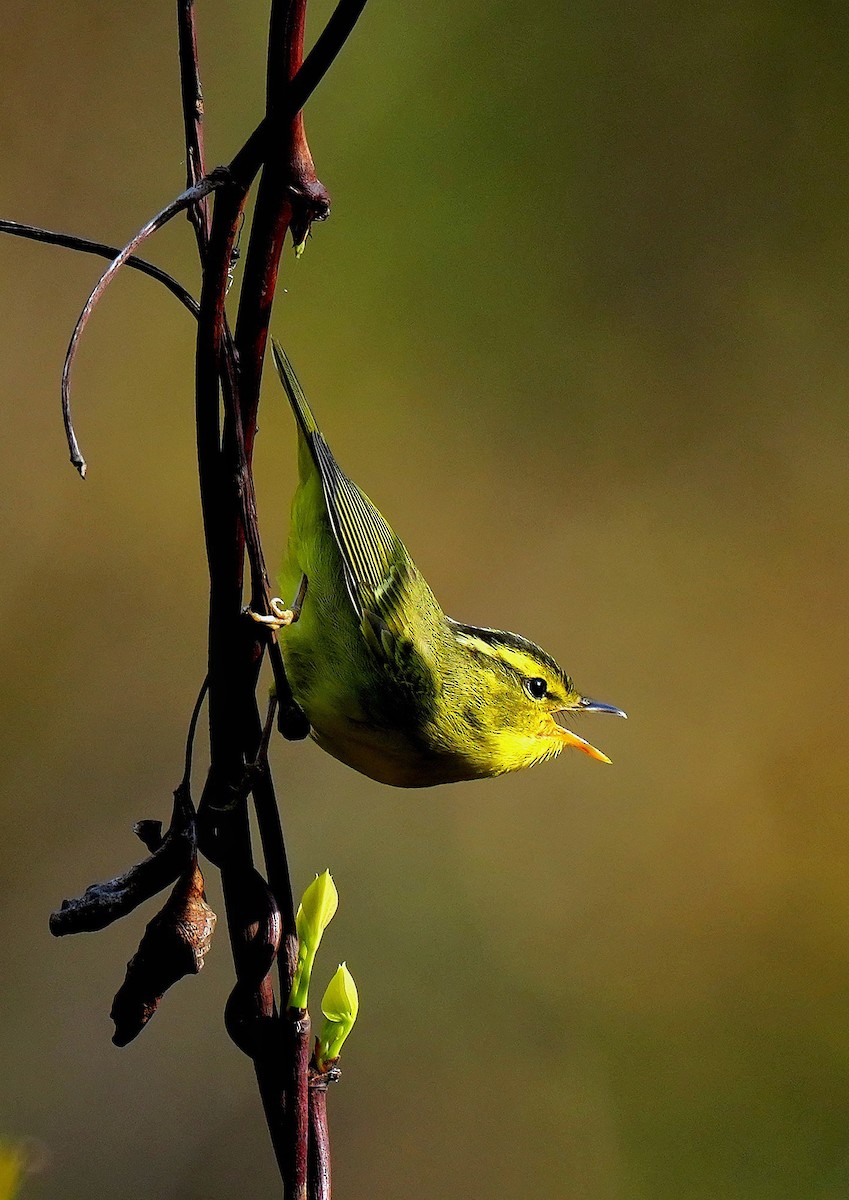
[(319, 1134), (289, 194)]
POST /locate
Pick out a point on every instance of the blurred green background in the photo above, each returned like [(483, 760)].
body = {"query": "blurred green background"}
[(578, 325)]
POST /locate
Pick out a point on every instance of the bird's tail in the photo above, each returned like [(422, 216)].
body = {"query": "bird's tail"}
[(303, 413)]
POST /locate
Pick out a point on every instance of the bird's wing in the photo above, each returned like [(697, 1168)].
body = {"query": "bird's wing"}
[(386, 589), (374, 558), (381, 579)]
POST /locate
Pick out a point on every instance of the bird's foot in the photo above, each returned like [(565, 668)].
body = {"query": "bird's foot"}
[(279, 617)]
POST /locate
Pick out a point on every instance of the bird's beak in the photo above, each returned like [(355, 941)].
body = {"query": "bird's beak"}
[(587, 705), (561, 717)]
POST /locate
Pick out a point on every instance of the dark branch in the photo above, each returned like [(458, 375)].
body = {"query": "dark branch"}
[(260, 916), (255, 926), (253, 914), (323, 54)]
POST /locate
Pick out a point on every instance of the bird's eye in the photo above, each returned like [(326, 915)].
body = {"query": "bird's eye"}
[(536, 688)]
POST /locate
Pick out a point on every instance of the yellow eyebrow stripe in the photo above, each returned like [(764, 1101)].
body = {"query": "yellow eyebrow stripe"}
[(517, 659), (525, 664), (477, 644)]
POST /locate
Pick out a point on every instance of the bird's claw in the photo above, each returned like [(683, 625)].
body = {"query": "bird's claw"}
[(279, 617)]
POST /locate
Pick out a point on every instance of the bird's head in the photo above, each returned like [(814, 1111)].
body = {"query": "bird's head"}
[(527, 703)]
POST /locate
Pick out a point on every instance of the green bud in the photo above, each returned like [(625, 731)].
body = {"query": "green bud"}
[(300, 248), (340, 1005), (315, 913)]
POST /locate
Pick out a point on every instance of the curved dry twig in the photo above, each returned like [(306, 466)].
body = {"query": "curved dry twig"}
[(215, 179)]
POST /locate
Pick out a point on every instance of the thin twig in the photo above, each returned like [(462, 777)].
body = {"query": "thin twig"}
[(235, 651), (287, 174), (190, 736), (35, 233), (264, 741), (193, 113), (321, 57)]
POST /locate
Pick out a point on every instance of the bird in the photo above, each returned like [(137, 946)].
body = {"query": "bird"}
[(389, 684)]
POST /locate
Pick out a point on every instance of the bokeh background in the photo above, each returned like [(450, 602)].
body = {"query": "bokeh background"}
[(578, 325)]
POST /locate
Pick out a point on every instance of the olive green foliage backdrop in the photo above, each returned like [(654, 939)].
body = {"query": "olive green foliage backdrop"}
[(578, 326)]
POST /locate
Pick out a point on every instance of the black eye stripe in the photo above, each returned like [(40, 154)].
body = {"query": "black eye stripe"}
[(536, 687)]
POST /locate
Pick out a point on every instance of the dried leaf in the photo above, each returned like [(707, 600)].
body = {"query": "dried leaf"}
[(174, 944)]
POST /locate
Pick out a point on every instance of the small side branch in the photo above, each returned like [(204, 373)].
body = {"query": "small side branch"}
[(247, 162)]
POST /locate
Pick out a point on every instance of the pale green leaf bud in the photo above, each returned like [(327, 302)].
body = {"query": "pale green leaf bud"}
[(315, 913), (340, 1005)]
